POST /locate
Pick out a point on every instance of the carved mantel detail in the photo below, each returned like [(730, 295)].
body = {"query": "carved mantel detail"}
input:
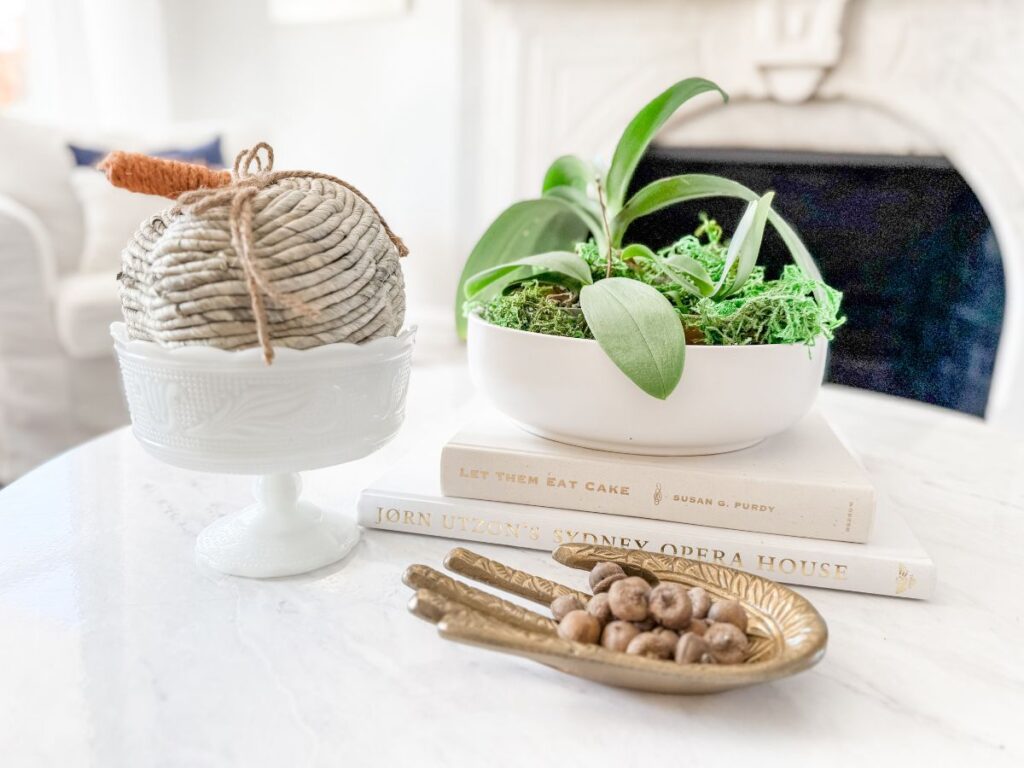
[(798, 41)]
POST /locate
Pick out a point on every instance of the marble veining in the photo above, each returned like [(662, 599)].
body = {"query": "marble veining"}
[(117, 650)]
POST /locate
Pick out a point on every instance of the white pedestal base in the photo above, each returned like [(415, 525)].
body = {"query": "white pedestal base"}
[(277, 536)]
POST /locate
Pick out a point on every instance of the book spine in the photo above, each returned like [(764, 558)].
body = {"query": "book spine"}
[(801, 563), (742, 502)]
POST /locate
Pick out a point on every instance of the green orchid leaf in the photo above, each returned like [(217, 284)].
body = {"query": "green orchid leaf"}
[(689, 273), (694, 270), (677, 189), (563, 264), (744, 246), (671, 190), (586, 208), (750, 248), (642, 129), (568, 171), (636, 251), (523, 229), (639, 331)]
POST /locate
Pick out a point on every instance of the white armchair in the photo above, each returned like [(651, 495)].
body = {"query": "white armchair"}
[(58, 380), (59, 383)]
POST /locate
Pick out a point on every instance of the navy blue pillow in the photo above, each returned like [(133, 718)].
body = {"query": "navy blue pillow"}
[(85, 156), (208, 154)]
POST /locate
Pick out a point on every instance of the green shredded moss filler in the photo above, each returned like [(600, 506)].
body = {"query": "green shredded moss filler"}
[(782, 311), (531, 307)]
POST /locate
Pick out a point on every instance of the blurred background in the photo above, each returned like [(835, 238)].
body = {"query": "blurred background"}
[(892, 131)]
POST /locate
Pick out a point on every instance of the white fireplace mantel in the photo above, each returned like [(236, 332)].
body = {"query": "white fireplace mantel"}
[(549, 77)]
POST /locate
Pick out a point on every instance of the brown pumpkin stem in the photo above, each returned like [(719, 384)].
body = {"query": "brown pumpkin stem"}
[(158, 176)]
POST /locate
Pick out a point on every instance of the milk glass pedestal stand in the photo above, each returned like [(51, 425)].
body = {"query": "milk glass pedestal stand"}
[(217, 411)]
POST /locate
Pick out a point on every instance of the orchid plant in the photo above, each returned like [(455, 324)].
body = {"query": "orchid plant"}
[(634, 323)]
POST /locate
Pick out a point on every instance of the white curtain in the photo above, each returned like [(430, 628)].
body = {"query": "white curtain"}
[(97, 63)]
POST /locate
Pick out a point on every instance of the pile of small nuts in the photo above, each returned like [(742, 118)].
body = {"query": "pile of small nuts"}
[(667, 621)]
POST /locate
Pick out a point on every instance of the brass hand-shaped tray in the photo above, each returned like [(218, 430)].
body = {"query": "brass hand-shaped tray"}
[(787, 634)]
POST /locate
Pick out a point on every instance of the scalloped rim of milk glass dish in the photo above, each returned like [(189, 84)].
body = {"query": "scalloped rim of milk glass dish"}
[(568, 390), (214, 410)]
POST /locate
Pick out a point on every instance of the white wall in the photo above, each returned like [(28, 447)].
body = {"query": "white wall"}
[(373, 101), (96, 64)]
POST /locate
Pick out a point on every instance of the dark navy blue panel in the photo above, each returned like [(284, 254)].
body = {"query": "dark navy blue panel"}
[(904, 238)]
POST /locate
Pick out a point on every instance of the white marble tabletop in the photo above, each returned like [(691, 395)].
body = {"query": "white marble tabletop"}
[(116, 650)]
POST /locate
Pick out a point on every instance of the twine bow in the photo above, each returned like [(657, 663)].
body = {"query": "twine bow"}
[(199, 190)]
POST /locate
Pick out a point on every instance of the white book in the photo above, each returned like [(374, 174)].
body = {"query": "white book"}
[(804, 482), (408, 499)]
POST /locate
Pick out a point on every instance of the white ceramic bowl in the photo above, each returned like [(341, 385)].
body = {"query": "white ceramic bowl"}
[(212, 410), (568, 390)]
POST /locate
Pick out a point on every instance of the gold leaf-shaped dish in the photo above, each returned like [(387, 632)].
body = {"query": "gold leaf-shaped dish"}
[(787, 633)]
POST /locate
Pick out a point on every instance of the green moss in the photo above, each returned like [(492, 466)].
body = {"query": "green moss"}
[(783, 311), (539, 308)]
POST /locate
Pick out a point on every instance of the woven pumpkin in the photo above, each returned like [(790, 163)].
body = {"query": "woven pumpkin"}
[(256, 257)]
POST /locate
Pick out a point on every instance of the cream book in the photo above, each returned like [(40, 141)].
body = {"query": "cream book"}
[(408, 499), (804, 482)]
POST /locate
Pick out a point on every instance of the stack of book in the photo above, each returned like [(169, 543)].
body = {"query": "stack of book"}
[(798, 508)]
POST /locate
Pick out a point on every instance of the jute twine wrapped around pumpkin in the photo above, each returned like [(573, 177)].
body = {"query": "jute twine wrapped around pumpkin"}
[(256, 257)]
